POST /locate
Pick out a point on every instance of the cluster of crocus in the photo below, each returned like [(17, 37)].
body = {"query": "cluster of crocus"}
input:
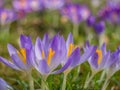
[(27, 5), (110, 13), (7, 15), (75, 12), (46, 55), (98, 26)]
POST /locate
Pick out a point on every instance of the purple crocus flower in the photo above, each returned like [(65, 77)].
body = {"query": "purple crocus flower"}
[(110, 13), (1, 3), (75, 12), (99, 27), (27, 5), (4, 85), (7, 16), (22, 5), (98, 60), (113, 64), (50, 54), (53, 4), (21, 59), (36, 5), (74, 53)]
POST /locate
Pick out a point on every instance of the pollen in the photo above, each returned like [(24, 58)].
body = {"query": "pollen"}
[(22, 55), (4, 16), (99, 52), (50, 55), (43, 54), (70, 49)]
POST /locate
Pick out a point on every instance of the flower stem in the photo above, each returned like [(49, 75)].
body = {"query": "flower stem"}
[(31, 83), (75, 30), (64, 81), (43, 84), (105, 84), (87, 82)]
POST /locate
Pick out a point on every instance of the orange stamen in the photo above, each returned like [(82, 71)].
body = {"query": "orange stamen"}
[(99, 52)]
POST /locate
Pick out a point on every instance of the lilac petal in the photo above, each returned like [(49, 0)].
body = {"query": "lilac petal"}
[(103, 48), (25, 42), (87, 54), (69, 40), (38, 49), (76, 58), (18, 62), (4, 85), (93, 61), (68, 63), (43, 67), (11, 49), (8, 63), (104, 60), (60, 54)]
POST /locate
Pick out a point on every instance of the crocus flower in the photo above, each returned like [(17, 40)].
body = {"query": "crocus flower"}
[(98, 60), (99, 27), (7, 16), (21, 59), (53, 4), (4, 85), (22, 5), (36, 5), (110, 13), (74, 51), (1, 3), (75, 12)]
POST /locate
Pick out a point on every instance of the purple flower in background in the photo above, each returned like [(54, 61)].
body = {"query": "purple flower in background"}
[(21, 59), (36, 5), (53, 4), (91, 20), (7, 15), (4, 85), (22, 5), (99, 27), (27, 5), (110, 13), (75, 12), (1, 3)]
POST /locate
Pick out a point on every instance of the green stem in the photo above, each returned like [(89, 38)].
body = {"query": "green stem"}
[(64, 81), (31, 82), (105, 84), (87, 82), (43, 84), (102, 76), (75, 30)]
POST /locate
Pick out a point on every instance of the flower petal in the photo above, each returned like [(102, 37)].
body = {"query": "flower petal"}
[(25, 42), (8, 63), (11, 49), (89, 52), (69, 40), (38, 48), (76, 58), (18, 62), (43, 67), (68, 63)]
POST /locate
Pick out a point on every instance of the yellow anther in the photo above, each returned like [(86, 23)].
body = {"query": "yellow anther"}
[(43, 54), (70, 49), (3, 16), (50, 55), (22, 55), (99, 52)]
